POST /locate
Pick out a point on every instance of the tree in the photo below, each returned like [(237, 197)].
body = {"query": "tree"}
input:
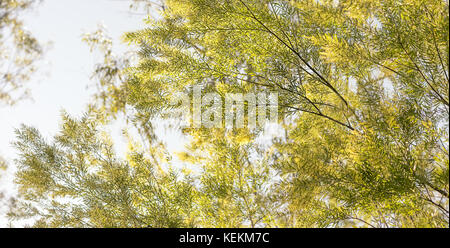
[(365, 84), (19, 50), (77, 181), (233, 186), (363, 95)]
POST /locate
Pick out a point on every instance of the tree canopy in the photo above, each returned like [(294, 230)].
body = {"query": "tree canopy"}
[(19, 50), (363, 106)]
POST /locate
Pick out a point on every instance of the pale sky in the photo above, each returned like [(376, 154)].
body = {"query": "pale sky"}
[(68, 64), (65, 73)]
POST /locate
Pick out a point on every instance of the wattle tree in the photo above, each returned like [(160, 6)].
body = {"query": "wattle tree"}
[(363, 106)]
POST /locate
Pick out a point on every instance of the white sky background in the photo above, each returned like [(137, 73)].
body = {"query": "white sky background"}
[(68, 65)]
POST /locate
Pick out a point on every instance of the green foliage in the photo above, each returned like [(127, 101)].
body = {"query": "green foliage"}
[(77, 181), (233, 182), (19, 51), (363, 92)]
